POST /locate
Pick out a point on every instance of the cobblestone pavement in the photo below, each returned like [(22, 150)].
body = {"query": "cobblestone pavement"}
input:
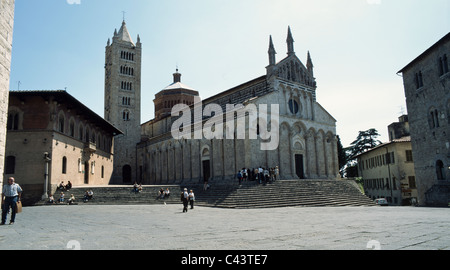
[(165, 227)]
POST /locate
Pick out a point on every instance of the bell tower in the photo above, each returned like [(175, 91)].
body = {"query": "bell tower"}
[(123, 101)]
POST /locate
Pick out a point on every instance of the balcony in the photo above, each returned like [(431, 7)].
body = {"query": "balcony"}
[(90, 147)]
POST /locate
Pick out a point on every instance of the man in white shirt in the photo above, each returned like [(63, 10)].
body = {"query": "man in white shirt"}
[(10, 196)]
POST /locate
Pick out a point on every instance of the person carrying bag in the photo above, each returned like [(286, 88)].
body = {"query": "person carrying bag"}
[(11, 199)]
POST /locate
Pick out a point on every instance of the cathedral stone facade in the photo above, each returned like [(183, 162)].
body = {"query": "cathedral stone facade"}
[(307, 146), (6, 35)]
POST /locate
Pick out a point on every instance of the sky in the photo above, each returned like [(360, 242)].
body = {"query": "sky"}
[(357, 47)]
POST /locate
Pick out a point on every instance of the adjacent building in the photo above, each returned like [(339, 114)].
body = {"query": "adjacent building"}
[(54, 138), (427, 90), (6, 36), (388, 169)]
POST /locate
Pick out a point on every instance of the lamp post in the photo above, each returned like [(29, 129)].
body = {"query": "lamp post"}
[(47, 160)]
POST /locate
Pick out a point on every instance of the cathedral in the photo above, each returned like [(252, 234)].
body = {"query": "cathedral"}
[(148, 153)]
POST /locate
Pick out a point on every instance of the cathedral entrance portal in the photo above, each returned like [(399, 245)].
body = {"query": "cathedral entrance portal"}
[(206, 170), (299, 166), (126, 174)]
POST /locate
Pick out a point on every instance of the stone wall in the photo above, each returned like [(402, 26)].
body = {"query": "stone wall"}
[(6, 35), (428, 101)]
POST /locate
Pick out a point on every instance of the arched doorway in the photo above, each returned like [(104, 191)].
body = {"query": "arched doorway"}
[(206, 164), (299, 170), (126, 174), (440, 170)]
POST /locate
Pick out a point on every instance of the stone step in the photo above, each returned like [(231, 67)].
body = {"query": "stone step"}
[(282, 193)]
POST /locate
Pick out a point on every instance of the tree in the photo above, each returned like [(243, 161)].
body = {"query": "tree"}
[(342, 155), (366, 140)]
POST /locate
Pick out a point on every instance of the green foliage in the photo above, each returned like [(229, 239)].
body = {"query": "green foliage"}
[(366, 140)]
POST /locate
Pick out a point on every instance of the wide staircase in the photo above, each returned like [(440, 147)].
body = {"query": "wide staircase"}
[(282, 193)]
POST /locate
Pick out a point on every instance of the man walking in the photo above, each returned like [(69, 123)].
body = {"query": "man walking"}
[(10, 196), (185, 200)]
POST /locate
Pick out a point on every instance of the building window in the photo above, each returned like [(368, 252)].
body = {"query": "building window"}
[(13, 121), (126, 101), (103, 171), (443, 65), (86, 137), (127, 56), (126, 116), (10, 165), (64, 165), (293, 106), (390, 158), (126, 70), (61, 124), (80, 133), (434, 118), (409, 156), (126, 86), (412, 181), (419, 80), (72, 129)]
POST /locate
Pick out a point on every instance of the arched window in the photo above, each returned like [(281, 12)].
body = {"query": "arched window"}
[(13, 121), (126, 116), (80, 133), (72, 129), (64, 165), (99, 142), (61, 122), (440, 170), (93, 139), (433, 118), (293, 106), (87, 137)]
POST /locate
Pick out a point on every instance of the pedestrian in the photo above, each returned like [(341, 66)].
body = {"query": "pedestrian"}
[(260, 174), (239, 177), (10, 196), (205, 184), (185, 200), (72, 199), (244, 174), (266, 175), (191, 198), (277, 172)]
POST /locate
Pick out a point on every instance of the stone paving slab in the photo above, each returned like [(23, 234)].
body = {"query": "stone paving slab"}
[(165, 227)]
